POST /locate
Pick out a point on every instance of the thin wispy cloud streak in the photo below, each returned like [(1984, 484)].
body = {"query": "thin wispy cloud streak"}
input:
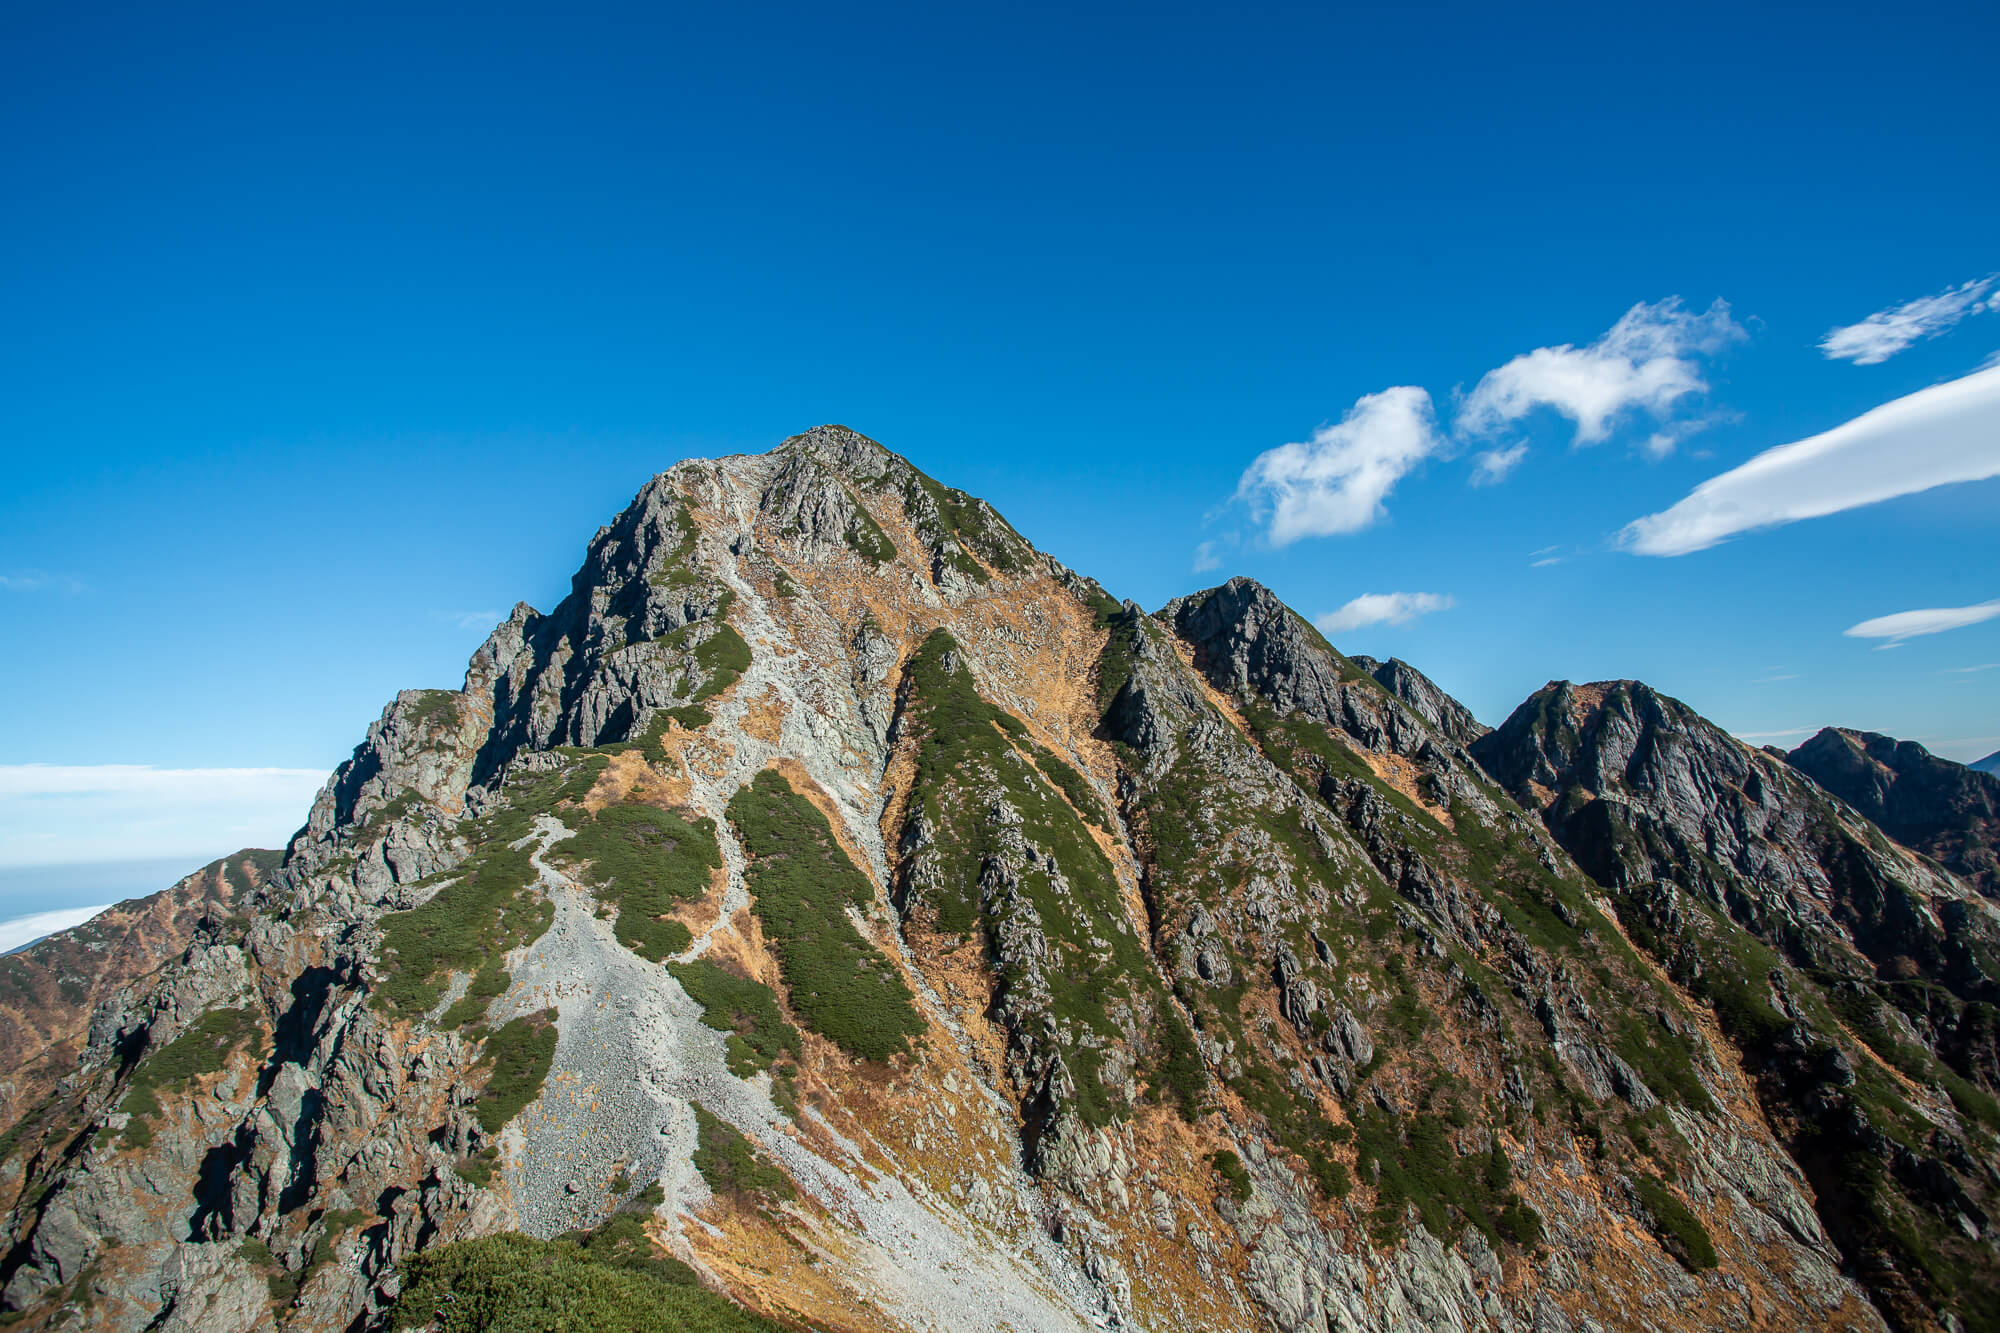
[(1939, 436), (1904, 625), (1887, 332), (473, 620), (1382, 608), (36, 580)]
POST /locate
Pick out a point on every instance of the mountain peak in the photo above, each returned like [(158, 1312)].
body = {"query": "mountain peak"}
[(837, 904), (1947, 811)]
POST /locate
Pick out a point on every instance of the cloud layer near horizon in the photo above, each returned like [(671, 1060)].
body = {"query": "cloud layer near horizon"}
[(1945, 434), (21, 930), (59, 814)]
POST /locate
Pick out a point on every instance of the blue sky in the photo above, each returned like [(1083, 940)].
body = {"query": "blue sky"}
[(328, 339)]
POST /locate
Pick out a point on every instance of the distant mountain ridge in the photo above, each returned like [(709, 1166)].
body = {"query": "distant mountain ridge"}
[(49, 988), (837, 913), (1947, 811)]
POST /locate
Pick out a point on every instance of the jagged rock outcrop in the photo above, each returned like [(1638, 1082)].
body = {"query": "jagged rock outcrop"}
[(838, 908), (1947, 811), (1804, 927), (1447, 717), (53, 992)]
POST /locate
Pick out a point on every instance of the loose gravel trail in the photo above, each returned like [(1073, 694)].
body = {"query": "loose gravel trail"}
[(632, 1053), (621, 1023)]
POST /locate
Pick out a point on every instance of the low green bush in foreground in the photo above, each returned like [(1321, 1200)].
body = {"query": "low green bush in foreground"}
[(513, 1284)]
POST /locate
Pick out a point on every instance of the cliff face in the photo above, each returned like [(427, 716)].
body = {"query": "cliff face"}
[(1947, 811), (1856, 978), (838, 910), (50, 990)]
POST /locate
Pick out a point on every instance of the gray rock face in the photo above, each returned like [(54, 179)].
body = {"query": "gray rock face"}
[(1245, 639), (1946, 811), (1446, 716), (1809, 925), (1663, 795), (209, 1289)]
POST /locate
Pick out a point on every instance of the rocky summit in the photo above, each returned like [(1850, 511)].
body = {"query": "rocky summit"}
[(837, 914)]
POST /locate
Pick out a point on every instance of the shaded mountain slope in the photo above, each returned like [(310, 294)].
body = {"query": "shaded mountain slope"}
[(1947, 811), (1855, 977)]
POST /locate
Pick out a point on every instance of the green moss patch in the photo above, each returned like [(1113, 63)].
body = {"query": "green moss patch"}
[(732, 1166), (622, 1242), (1080, 793), (801, 883), (865, 537), (1679, 1230), (491, 980), (1412, 1161), (644, 861), (725, 657), (520, 1054), (435, 710), (1100, 980), (487, 908), (1235, 1178), (477, 1169), (968, 521), (204, 1048), (747, 1010), (674, 567)]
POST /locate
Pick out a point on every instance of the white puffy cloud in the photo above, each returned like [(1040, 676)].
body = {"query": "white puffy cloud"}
[(1336, 481), (1205, 558), (1937, 436), (1887, 332), (1380, 608), (54, 814), (1929, 620), (1648, 361)]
